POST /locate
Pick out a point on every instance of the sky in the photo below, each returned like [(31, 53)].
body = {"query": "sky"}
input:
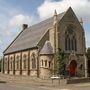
[(14, 13)]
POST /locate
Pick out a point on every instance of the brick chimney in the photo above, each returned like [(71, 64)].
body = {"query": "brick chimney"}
[(24, 26)]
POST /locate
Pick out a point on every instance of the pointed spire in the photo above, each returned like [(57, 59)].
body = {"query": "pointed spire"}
[(70, 7), (81, 21), (55, 17), (55, 13)]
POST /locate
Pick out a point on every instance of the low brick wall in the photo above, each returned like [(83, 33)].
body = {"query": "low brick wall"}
[(79, 80)]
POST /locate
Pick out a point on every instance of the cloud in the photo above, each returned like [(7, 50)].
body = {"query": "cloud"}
[(11, 29), (80, 7), (1, 42), (12, 18), (14, 25), (18, 20), (88, 41)]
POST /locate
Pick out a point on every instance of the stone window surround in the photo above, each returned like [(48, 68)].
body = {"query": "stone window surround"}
[(70, 39)]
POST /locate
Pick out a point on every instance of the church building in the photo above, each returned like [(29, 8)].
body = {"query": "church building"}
[(32, 51)]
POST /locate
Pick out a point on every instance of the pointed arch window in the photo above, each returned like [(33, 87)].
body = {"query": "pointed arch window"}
[(24, 61), (70, 39), (45, 63), (49, 64), (42, 62), (69, 44), (72, 43), (6, 64), (66, 42), (75, 42), (11, 63), (33, 61), (17, 62)]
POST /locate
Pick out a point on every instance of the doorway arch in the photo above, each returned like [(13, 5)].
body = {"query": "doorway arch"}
[(72, 68)]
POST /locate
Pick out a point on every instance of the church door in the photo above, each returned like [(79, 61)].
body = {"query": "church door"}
[(89, 68), (72, 68)]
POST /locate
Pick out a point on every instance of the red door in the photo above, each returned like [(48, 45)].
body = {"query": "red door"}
[(72, 68)]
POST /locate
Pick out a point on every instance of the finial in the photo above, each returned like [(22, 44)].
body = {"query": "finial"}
[(81, 21), (55, 12), (55, 17)]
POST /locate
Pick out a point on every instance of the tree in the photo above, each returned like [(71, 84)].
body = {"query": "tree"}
[(0, 64), (60, 62), (88, 53), (88, 56)]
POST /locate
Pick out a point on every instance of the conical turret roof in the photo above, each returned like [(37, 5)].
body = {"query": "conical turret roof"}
[(47, 48)]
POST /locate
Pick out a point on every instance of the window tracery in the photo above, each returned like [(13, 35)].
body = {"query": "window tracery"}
[(70, 39)]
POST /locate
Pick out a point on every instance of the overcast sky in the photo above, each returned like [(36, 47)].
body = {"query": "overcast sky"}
[(13, 13)]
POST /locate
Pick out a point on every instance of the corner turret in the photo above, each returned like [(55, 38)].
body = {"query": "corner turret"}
[(55, 17)]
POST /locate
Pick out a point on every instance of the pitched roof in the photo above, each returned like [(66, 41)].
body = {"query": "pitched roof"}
[(30, 37), (47, 48)]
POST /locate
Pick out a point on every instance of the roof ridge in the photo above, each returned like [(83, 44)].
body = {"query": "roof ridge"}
[(46, 19)]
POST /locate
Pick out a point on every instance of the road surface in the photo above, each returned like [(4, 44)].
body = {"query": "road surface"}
[(9, 86)]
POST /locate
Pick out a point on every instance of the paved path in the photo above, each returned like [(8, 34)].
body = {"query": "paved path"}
[(9, 86), (29, 83)]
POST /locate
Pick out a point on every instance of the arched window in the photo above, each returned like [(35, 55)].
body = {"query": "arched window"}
[(45, 63), (42, 62), (81, 67), (66, 42), (6, 64), (24, 61), (11, 63), (72, 43), (75, 42), (17, 62), (49, 64), (70, 39), (69, 43), (33, 58)]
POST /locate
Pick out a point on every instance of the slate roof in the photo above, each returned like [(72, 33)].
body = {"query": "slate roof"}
[(47, 48), (31, 36)]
